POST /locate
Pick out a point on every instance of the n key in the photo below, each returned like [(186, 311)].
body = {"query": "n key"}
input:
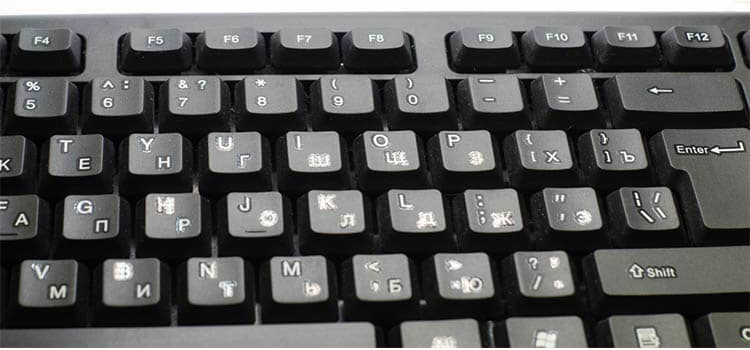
[(42, 107), (24, 227), (155, 163), (81, 164)]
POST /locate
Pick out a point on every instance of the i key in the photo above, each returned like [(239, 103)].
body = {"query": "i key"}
[(387, 159), (462, 159), (541, 332), (173, 226), (644, 216), (643, 331), (611, 158), (155, 51), (414, 221), (312, 160), (566, 101), (556, 48), (18, 169), (93, 227), (437, 334), (155, 163), (305, 50), (42, 107), (568, 218), (345, 104), (76, 164), (269, 104), (534, 158), (24, 227), (490, 220), (230, 50), (46, 51), (419, 103), (234, 161), (495, 103), (118, 107), (254, 225), (194, 105), (537, 282), (334, 222)]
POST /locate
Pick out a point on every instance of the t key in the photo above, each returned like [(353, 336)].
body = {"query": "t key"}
[(42, 107), (155, 163), (80, 164), (194, 105)]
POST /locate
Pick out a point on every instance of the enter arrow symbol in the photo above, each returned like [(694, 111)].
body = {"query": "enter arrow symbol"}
[(656, 91), (720, 150)]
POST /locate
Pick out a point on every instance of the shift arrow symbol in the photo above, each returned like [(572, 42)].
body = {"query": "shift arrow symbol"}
[(719, 150), (655, 90)]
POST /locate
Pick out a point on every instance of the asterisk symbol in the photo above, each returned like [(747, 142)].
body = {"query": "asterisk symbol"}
[(260, 82)]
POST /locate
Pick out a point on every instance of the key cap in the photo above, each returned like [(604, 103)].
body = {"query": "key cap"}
[(43, 51), (298, 289), (345, 104), (4, 51), (489, 220), (230, 50), (254, 225), (234, 162), (77, 164), (541, 332), (334, 223), (18, 170), (696, 48), (568, 218), (556, 48), (305, 50), (93, 227), (194, 105), (658, 100), (380, 288), (464, 159), (155, 162), (155, 51), (566, 101), (643, 331), (644, 216), (437, 334), (118, 107), (216, 291), (537, 282), (42, 107), (387, 159), (414, 222), (132, 292), (534, 158), (746, 45), (495, 103), (419, 103), (312, 160), (483, 49), (620, 48), (667, 279), (49, 293), (707, 167), (613, 157), (719, 330), (269, 104), (24, 228), (173, 226), (380, 50)]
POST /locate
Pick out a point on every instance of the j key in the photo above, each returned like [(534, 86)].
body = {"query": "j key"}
[(230, 50), (668, 279), (658, 100), (46, 51), (77, 164), (93, 227), (643, 331), (613, 157), (49, 293), (380, 288), (387, 159), (495, 103), (377, 50), (132, 292), (216, 291), (42, 107), (157, 51), (708, 167), (566, 101), (414, 221), (312, 160), (541, 332), (696, 47), (298, 289), (537, 282), (420, 103), (556, 48), (460, 285), (269, 104), (234, 161), (335, 223), (24, 227), (539, 157), (155, 162), (254, 225), (118, 107), (463, 159), (462, 333), (194, 105), (17, 165), (719, 330), (173, 226), (485, 49), (489, 220), (644, 216), (568, 218), (303, 50), (345, 104), (625, 48)]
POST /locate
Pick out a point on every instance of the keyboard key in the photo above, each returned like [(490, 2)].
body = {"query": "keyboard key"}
[(611, 158), (155, 163), (419, 103), (298, 289), (566, 101), (18, 169), (707, 167), (483, 49), (463, 333), (644, 216), (132, 292), (49, 293), (696, 47), (46, 51), (305, 50), (234, 162), (155, 51), (489, 220), (536, 158), (667, 279), (254, 225), (216, 291), (536, 283), (387, 159), (413, 222), (625, 48), (334, 223), (745, 44), (495, 103), (464, 159), (194, 105), (312, 160), (77, 164), (269, 104), (556, 48), (380, 288), (719, 330), (345, 104), (541, 332), (377, 50), (643, 331), (118, 107), (173, 226), (24, 228), (230, 50), (3, 51), (42, 107), (93, 227), (568, 218)]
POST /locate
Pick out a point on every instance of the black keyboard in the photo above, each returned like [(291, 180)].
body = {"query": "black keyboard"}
[(347, 180)]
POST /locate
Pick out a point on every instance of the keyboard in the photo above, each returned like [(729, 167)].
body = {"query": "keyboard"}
[(375, 180)]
